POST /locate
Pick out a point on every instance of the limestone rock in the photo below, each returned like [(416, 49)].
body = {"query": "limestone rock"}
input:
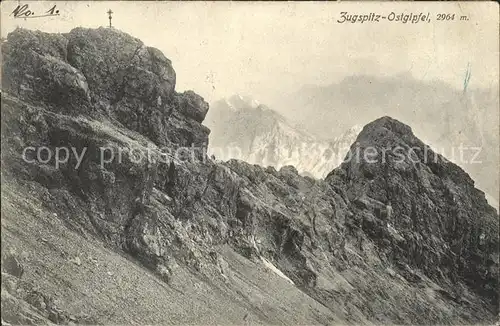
[(12, 265), (35, 69), (192, 105)]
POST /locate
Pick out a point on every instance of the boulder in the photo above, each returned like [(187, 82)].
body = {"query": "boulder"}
[(12, 265), (193, 106), (35, 69)]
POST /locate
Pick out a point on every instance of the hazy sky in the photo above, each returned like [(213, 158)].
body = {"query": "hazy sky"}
[(271, 49)]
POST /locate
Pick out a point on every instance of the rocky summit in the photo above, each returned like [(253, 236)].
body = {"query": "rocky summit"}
[(103, 223)]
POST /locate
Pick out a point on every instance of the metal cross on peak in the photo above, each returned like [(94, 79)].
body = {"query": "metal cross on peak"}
[(109, 13)]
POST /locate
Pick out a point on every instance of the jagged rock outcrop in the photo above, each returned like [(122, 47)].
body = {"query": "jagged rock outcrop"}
[(104, 74), (194, 222), (440, 222), (35, 68)]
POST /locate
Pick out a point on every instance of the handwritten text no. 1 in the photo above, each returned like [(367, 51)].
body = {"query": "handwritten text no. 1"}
[(23, 11)]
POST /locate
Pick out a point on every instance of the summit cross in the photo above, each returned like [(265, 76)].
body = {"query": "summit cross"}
[(110, 17)]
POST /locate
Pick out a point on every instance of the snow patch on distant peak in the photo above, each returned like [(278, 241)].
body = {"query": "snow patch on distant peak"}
[(229, 105), (239, 102), (351, 132), (255, 104)]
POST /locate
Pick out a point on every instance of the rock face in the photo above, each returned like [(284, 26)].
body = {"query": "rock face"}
[(439, 221), (405, 240), (105, 74)]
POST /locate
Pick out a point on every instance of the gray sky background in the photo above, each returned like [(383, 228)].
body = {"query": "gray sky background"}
[(269, 50)]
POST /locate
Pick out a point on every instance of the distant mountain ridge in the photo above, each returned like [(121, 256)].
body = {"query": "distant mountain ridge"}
[(242, 128), (444, 116)]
